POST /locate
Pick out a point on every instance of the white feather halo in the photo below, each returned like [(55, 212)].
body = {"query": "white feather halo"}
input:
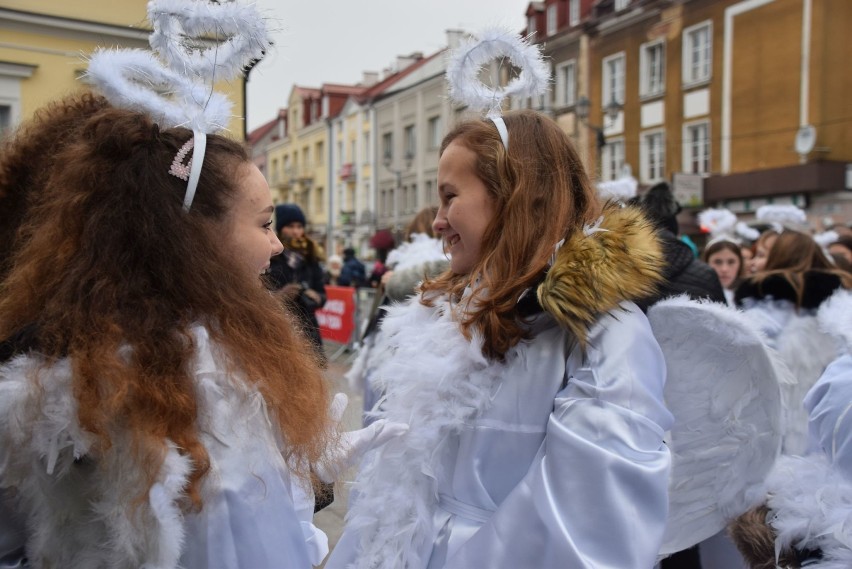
[(467, 60), (717, 222), (136, 80), (826, 238), (620, 190), (781, 214), (747, 232), (181, 92), (181, 27)]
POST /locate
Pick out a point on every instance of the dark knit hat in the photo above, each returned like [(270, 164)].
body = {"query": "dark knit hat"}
[(288, 213), (660, 205)]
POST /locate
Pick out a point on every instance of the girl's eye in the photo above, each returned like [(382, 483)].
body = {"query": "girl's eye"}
[(268, 224)]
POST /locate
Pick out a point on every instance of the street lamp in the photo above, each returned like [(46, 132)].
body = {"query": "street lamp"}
[(409, 158), (611, 110)]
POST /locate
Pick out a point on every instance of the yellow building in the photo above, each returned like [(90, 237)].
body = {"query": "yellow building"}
[(43, 45), (299, 163)]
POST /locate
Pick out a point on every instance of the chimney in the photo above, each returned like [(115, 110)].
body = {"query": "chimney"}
[(454, 38), (403, 61), (370, 78)]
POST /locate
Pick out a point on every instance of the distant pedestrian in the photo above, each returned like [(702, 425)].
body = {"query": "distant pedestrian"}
[(353, 272)]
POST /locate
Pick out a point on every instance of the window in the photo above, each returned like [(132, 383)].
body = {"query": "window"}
[(367, 156), (410, 141), (383, 205), (411, 206), (653, 157), (574, 12), (353, 151), (612, 159), (613, 79), (320, 203), (306, 154), (387, 145), (652, 61), (696, 148), (566, 84), (697, 53), (320, 153), (434, 129), (551, 19), (621, 4), (531, 26), (5, 118)]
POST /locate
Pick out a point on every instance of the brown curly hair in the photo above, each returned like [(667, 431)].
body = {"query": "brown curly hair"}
[(26, 156), (113, 274), (541, 195)]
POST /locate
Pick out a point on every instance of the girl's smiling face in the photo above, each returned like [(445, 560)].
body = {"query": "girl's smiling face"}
[(250, 235), (466, 207)]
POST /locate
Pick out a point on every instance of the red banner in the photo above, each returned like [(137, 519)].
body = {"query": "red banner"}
[(337, 317)]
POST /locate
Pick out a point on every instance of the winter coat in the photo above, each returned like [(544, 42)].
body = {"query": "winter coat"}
[(291, 267), (684, 274), (353, 273)]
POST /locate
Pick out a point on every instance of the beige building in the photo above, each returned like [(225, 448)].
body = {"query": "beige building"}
[(43, 45)]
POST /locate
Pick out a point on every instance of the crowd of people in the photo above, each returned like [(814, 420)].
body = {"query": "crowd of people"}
[(162, 401)]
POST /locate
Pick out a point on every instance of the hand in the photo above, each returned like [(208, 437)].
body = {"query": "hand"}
[(354, 444)]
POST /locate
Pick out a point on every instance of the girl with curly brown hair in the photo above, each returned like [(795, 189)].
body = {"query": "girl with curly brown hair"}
[(156, 406)]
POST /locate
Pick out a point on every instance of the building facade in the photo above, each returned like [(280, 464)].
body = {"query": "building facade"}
[(43, 45)]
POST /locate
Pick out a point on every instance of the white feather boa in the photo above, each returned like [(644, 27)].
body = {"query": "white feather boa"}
[(811, 506), (437, 381)]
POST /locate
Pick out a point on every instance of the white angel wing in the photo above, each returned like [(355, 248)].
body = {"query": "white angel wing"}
[(722, 388)]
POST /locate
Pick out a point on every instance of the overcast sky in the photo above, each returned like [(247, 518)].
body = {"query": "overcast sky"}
[(334, 41)]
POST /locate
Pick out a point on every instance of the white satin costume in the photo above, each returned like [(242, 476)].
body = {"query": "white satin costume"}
[(82, 509), (554, 458)]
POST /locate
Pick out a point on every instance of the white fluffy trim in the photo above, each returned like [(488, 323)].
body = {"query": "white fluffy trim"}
[(811, 507), (620, 190), (436, 381), (835, 317), (421, 249)]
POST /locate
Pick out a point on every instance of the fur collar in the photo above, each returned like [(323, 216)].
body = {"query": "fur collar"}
[(818, 287), (595, 270)]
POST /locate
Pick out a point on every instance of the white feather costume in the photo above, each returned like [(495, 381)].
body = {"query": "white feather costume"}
[(556, 458), (810, 498), (90, 510)]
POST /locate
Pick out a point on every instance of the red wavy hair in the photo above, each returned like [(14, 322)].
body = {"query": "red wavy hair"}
[(109, 260), (541, 195)]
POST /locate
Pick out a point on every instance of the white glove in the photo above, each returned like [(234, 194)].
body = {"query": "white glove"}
[(354, 444)]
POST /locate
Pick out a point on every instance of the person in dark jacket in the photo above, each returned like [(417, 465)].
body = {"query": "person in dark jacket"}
[(684, 274), (296, 272), (353, 272)]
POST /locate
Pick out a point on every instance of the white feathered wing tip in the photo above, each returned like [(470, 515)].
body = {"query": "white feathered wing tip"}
[(835, 317), (620, 190), (466, 62), (722, 388)]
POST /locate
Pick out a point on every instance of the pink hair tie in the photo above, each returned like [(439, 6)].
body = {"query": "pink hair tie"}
[(178, 168)]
